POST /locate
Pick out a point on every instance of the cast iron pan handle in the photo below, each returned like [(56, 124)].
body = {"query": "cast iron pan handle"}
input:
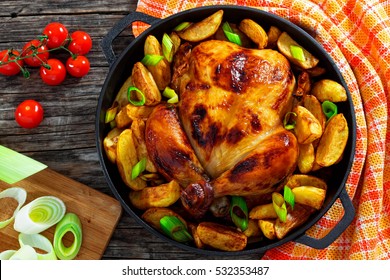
[(342, 225), (106, 43)]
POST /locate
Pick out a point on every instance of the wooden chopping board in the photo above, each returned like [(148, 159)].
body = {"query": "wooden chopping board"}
[(98, 212)]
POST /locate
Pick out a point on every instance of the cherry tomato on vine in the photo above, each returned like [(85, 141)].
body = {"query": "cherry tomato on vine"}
[(29, 114), (56, 74), (78, 67), (13, 68), (81, 42), (40, 50), (56, 34)]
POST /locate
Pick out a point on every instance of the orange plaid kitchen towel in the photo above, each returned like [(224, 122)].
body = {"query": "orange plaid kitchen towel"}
[(356, 33)]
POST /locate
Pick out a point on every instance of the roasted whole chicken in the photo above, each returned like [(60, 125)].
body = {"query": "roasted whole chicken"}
[(226, 135)]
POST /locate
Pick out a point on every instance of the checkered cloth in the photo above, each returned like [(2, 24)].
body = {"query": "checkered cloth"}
[(357, 36)]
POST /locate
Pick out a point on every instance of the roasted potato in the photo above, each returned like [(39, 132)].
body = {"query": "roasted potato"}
[(306, 158), (311, 103), (176, 42), (245, 41), (193, 230), (161, 72), (329, 90), (285, 42), (333, 141), (138, 112), (273, 36), (298, 180), (126, 158), (303, 85), (153, 216), (221, 237), (261, 212), (253, 229), (295, 218), (255, 32), (110, 143), (122, 120), (268, 228), (202, 30), (145, 82), (121, 97), (307, 128), (310, 196), (160, 196)]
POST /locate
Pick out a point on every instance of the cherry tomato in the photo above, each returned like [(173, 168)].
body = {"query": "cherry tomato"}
[(56, 74), (56, 34), (12, 68), (29, 114), (81, 42), (39, 49), (78, 67)]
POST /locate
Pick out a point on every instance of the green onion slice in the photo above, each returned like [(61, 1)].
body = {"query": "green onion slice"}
[(167, 47), (230, 35), (69, 223), (279, 206), (182, 26), (174, 228), (111, 114), (139, 92), (151, 59), (40, 242), (171, 94), (39, 215), (287, 123), (25, 252), (329, 109), (138, 168), (239, 212), (297, 52), (20, 195), (289, 196)]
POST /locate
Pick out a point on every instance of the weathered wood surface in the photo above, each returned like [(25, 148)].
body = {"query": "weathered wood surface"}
[(65, 140)]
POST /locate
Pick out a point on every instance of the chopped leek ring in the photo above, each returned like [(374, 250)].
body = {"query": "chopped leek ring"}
[(182, 26), (286, 121), (239, 212), (173, 100), (39, 215), (20, 195), (70, 223), (329, 109), (6, 255), (151, 59), (25, 253), (136, 102), (174, 228), (167, 47), (38, 241), (111, 114), (289, 196), (138, 168), (169, 93), (279, 206), (297, 52), (230, 35)]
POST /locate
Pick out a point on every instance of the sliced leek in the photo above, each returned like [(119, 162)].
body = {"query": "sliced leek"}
[(39, 215), (20, 195), (6, 255), (40, 242), (70, 223), (25, 253), (279, 206)]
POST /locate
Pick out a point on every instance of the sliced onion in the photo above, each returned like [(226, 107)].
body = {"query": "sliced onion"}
[(38, 241), (39, 215), (20, 195), (70, 223), (25, 253)]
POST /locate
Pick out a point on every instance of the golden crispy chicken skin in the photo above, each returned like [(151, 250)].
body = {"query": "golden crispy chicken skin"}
[(232, 102)]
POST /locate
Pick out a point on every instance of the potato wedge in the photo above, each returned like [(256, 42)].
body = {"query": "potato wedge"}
[(309, 196), (306, 158), (284, 43), (245, 41), (253, 229), (126, 158), (303, 85), (193, 230), (175, 40), (332, 144), (221, 237), (261, 212), (160, 196), (202, 30), (311, 103), (110, 143), (268, 228), (255, 32), (122, 120), (121, 96), (330, 90), (298, 180), (138, 112), (153, 216), (307, 128), (295, 218), (161, 72), (273, 36), (144, 81)]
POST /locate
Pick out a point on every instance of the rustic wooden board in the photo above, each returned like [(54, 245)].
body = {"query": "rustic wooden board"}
[(98, 212)]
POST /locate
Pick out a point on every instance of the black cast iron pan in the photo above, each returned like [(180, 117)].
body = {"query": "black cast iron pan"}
[(120, 69)]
